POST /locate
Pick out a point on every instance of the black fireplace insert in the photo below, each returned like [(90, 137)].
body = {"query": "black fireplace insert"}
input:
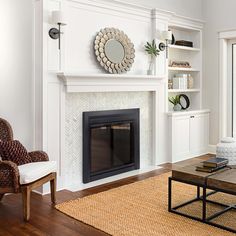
[(110, 143)]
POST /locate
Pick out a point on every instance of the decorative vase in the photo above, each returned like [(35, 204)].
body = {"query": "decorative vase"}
[(227, 149), (150, 70), (177, 107)]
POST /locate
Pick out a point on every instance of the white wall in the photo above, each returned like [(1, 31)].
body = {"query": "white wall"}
[(16, 67), (219, 15), (188, 8), (16, 19)]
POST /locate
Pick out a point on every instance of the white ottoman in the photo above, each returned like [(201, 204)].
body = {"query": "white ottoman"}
[(227, 149)]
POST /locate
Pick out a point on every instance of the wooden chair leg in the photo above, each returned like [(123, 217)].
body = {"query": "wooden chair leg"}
[(26, 192), (53, 187), (1, 196)]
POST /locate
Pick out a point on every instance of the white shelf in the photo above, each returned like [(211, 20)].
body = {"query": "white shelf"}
[(182, 69), (184, 48), (192, 55), (77, 82), (106, 76), (183, 90), (187, 112)]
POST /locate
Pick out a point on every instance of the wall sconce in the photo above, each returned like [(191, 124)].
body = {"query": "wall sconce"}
[(167, 36), (54, 33)]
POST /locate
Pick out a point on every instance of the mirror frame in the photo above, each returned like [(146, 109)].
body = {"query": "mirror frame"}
[(105, 35)]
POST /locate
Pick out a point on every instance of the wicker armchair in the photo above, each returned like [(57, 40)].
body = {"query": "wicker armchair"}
[(11, 174)]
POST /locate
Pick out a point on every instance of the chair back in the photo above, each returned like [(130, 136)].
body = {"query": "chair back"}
[(6, 133)]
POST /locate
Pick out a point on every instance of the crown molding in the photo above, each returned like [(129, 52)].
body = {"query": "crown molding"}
[(186, 22), (141, 11), (116, 6), (161, 14)]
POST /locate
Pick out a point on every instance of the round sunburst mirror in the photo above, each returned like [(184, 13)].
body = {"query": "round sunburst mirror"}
[(114, 50)]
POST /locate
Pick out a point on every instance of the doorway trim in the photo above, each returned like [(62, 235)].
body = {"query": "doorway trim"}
[(224, 37)]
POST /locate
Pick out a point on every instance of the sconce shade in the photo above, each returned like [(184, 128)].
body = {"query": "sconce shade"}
[(167, 35), (58, 17)]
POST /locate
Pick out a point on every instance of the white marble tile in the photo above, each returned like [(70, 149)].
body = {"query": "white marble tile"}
[(77, 103)]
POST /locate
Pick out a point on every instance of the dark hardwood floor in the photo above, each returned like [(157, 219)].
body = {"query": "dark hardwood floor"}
[(45, 220)]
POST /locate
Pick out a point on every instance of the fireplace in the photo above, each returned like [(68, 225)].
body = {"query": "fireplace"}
[(110, 143)]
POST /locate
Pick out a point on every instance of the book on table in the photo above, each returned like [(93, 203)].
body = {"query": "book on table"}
[(215, 162), (209, 169), (212, 165)]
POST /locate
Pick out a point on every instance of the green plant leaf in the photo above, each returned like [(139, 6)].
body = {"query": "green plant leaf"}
[(151, 48), (174, 100)]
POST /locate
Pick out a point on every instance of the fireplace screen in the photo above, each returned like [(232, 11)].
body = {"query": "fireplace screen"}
[(110, 143), (110, 146)]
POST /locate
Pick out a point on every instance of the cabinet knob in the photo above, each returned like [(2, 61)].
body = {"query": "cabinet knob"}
[(191, 116)]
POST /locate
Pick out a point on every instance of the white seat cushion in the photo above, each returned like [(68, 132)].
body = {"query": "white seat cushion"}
[(33, 171)]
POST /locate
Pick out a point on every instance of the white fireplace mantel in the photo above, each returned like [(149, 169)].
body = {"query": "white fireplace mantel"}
[(105, 83), (75, 82)]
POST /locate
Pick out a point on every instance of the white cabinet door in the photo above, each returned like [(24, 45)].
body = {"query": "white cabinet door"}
[(180, 138), (190, 136), (199, 133)]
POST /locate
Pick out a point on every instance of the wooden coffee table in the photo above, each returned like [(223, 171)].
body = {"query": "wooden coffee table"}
[(223, 180)]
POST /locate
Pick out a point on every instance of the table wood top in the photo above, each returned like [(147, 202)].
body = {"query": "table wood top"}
[(188, 172), (225, 180)]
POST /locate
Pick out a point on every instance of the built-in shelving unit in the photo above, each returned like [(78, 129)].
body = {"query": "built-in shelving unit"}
[(192, 55), (188, 129)]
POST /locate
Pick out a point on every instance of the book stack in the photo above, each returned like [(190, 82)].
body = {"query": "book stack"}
[(184, 43), (212, 165), (180, 81)]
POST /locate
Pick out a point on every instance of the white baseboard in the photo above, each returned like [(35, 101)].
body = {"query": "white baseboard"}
[(110, 179), (77, 187), (212, 149)]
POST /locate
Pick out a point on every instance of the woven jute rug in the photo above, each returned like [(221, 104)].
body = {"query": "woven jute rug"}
[(140, 209)]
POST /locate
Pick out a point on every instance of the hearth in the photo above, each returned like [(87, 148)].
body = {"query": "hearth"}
[(110, 143)]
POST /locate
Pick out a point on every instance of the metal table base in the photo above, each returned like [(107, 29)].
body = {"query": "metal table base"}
[(204, 200)]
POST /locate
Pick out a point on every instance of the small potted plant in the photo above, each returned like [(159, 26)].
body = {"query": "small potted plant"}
[(153, 51), (176, 102)]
